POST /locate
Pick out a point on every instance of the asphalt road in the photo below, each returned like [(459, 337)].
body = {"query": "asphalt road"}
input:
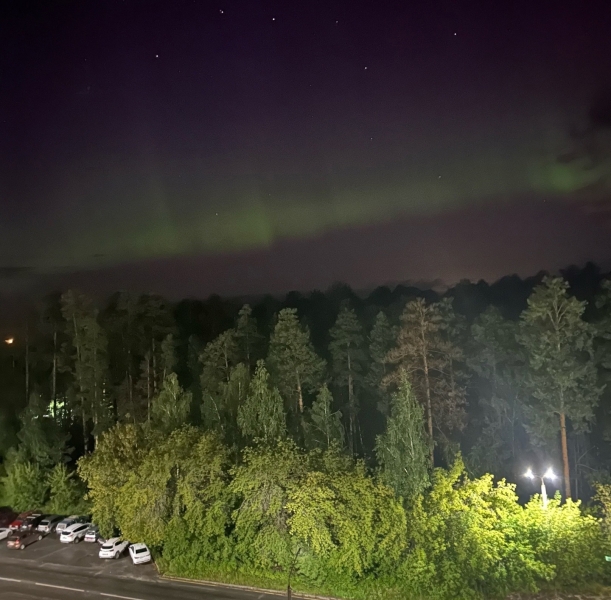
[(49, 570)]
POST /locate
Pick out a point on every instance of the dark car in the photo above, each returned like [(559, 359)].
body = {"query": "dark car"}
[(31, 522), (21, 539)]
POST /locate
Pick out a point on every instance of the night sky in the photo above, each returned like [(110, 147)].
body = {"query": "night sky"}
[(249, 147)]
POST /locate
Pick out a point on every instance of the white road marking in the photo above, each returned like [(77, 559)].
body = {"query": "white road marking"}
[(59, 587), (9, 579), (115, 596)]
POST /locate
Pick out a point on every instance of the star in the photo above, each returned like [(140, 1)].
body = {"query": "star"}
[(221, 11), (273, 18), (156, 55), (365, 68)]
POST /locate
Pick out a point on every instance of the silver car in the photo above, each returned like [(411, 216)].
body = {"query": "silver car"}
[(49, 523)]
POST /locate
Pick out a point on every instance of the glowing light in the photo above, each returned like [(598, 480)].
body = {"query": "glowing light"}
[(549, 474), (529, 474), (9, 341)]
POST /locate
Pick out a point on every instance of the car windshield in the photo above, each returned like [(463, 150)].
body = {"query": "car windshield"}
[(44, 522), (140, 550), (107, 547)]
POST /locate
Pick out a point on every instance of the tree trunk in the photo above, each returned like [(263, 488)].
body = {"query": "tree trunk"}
[(429, 409), (154, 367), (300, 394), (54, 377), (27, 364), (85, 437), (565, 457), (351, 407), (148, 389)]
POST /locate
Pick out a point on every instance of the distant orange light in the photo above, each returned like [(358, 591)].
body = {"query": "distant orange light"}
[(9, 341)]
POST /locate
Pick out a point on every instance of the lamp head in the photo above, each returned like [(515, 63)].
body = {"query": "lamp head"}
[(529, 473), (549, 474)]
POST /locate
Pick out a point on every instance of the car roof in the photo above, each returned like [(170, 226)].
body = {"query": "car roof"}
[(113, 540), (138, 546), (73, 527)]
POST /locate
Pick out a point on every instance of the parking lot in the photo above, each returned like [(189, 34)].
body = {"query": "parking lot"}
[(51, 554)]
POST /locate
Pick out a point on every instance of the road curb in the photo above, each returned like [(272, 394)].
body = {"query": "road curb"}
[(250, 588)]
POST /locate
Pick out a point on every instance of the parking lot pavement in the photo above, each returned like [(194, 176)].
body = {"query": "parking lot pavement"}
[(51, 553)]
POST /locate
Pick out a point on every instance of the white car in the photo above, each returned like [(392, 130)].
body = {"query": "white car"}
[(113, 548), (93, 535), (5, 532), (74, 533), (140, 554)]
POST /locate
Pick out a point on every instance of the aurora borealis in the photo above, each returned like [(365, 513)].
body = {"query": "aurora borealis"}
[(141, 142)]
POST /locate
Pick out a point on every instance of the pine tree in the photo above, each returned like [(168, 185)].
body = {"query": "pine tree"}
[(247, 336), (219, 407), (41, 440), (293, 363), (218, 358), (381, 340), (90, 361), (497, 360), (155, 323), (66, 492), (262, 415), (168, 355), (121, 323), (348, 356), (403, 450), (324, 426), (170, 408), (424, 350), (562, 370)]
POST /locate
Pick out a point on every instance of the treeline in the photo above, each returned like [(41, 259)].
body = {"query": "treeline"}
[(348, 438)]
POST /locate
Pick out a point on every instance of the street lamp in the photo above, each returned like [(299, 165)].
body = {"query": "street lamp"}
[(9, 341), (549, 474)]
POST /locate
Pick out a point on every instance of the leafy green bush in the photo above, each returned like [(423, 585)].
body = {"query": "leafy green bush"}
[(25, 486), (342, 530), (66, 493)]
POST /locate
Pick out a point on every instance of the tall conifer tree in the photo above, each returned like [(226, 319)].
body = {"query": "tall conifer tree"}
[(561, 367)]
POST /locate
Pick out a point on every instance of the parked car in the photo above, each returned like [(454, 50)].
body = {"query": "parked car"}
[(140, 554), (93, 535), (84, 519), (74, 533), (21, 539), (19, 519), (65, 523), (113, 548), (5, 532), (49, 523), (31, 523)]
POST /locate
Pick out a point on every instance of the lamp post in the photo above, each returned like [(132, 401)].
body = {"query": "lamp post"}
[(549, 474)]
